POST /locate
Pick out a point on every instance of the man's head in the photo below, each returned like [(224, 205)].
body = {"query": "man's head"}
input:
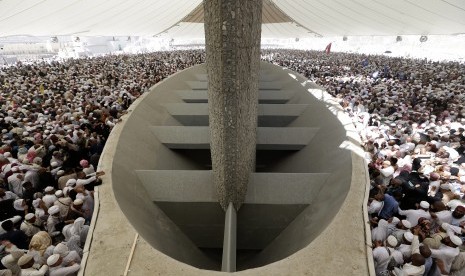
[(404, 224), (407, 238), (438, 206), (77, 203), (377, 194), (459, 212), (418, 259), (26, 261), (424, 205), (7, 225), (31, 218), (54, 260), (425, 251), (453, 241)]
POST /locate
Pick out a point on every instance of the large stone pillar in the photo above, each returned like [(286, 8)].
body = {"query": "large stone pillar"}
[(232, 39)]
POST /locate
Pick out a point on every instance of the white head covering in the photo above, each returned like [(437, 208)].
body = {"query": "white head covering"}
[(24, 259), (18, 204), (53, 259), (395, 220), (36, 202), (391, 241), (53, 210), (406, 223), (456, 240), (408, 236), (29, 216), (78, 201), (61, 249), (48, 189), (424, 204), (71, 182)]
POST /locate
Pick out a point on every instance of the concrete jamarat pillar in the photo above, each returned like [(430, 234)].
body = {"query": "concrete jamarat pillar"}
[(232, 39)]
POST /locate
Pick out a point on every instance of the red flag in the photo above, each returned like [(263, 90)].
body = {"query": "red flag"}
[(328, 49)]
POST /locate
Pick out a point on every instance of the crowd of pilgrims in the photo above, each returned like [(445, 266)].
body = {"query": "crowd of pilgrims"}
[(55, 118)]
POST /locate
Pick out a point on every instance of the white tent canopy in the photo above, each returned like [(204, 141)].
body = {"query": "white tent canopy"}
[(282, 18)]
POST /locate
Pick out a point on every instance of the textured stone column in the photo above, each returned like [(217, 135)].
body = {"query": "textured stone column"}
[(232, 39)]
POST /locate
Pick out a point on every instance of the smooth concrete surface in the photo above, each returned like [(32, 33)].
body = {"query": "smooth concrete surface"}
[(269, 115), (264, 96), (328, 237), (264, 76), (263, 188), (268, 138), (267, 85)]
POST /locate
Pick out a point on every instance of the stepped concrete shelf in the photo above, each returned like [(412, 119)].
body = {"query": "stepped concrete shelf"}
[(264, 97), (263, 188), (268, 138), (266, 85), (269, 115), (273, 201), (265, 76)]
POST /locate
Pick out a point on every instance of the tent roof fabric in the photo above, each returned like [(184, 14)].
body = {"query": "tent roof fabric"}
[(281, 18)]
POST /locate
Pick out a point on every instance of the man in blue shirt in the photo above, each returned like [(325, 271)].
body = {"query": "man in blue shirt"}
[(390, 205)]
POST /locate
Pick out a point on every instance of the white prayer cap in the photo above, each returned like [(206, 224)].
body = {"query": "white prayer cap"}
[(60, 249), (395, 220), (29, 216), (48, 189), (71, 182), (408, 236), (59, 193), (406, 223), (78, 201), (54, 164), (36, 202), (424, 204), (87, 171), (24, 259), (456, 240), (53, 259), (18, 204), (53, 210), (391, 241)]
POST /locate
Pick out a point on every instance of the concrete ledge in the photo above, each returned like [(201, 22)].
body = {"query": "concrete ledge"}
[(265, 76), (268, 138), (269, 115), (267, 85), (264, 97), (197, 186)]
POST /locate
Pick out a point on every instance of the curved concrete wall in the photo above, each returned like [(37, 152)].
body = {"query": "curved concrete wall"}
[(330, 230)]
